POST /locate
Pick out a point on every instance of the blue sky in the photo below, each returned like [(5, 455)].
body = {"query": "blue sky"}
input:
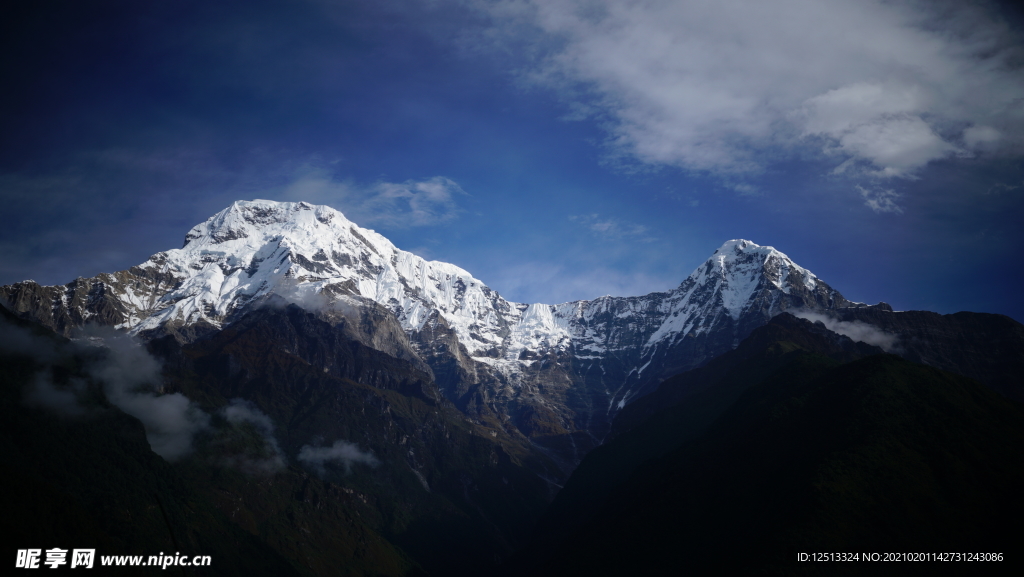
[(557, 150)]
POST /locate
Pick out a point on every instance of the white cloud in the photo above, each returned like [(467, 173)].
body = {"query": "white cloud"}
[(897, 145), (727, 85), (979, 136), (875, 123), (427, 202), (844, 108)]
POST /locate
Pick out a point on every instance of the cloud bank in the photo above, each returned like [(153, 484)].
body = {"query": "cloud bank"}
[(726, 86)]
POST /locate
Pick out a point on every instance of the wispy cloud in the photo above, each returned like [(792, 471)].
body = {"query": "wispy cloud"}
[(428, 202), (343, 452), (612, 228), (1001, 187), (880, 199), (268, 458), (726, 86), (43, 393)]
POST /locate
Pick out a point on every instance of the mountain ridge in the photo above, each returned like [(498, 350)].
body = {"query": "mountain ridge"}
[(558, 373)]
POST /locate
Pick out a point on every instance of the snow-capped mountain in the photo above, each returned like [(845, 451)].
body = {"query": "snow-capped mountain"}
[(557, 373)]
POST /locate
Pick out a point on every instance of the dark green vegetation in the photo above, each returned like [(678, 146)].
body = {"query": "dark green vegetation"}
[(798, 441), (431, 492)]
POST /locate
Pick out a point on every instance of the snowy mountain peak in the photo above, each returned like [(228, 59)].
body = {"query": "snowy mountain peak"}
[(244, 216), (253, 249), (740, 265)]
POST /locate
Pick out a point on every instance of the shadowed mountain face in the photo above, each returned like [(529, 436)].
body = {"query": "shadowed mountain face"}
[(986, 347), (682, 408), (798, 441), (317, 455), (454, 494)]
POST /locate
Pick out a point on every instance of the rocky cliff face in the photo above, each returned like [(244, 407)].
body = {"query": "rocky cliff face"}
[(556, 373)]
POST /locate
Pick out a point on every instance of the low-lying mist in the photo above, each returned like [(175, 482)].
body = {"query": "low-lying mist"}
[(856, 330)]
